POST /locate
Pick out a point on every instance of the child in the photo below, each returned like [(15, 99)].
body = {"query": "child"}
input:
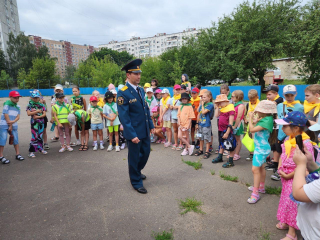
[(253, 102), (158, 96), (110, 113), (237, 97), (61, 111), (185, 81), (312, 104), (154, 85), (185, 115), (204, 123), (224, 89), (100, 99), (195, 101), (78, 102), (8, 123), (45, 136), (146, 86), (183, 89), (289, 93), (37, 111), (165, 115), (174, 118), (150, 100), (293, 125), (267, 112), (224, 110), (83, 122), (96, 115), (157, 124)]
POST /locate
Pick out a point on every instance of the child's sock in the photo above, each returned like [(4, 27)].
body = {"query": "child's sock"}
[(261, 185), (220, 155), (95, 142), (101, 142), (255, 191), (230, 160)]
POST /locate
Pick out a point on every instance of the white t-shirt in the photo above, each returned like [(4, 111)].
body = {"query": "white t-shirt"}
[(308, 218), (107, 110), (167, 115)]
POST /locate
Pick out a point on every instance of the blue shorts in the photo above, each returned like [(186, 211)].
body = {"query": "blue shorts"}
[(4, 134), (95, 127)]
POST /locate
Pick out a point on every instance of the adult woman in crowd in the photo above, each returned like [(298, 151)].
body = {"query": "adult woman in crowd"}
[(185, 81), (154, 85)]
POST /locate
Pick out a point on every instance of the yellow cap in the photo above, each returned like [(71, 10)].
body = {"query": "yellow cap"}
[(146, 85)]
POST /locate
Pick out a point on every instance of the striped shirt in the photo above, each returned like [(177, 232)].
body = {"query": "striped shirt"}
[(13, 113)]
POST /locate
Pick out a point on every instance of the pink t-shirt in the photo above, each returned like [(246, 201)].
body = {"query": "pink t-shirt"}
[(224, 120)]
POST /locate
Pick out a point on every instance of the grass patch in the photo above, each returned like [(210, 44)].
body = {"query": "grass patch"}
[(191, 204), (213, 172), (163, 235), (264, 235), (124, 159), (273, 190), (248, 185), (197, 165), (228, 177)]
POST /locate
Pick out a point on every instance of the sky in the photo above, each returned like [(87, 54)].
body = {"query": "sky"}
[(97, 22)]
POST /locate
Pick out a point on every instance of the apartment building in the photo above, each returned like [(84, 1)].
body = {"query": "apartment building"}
[(152, 46), (65, 52), (9, 21)]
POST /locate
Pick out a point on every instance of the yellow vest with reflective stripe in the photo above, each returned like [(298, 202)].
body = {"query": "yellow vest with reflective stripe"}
[(63, 113), (79, 113)]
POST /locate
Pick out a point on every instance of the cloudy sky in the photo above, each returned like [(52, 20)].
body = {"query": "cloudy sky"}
[(97, 22)]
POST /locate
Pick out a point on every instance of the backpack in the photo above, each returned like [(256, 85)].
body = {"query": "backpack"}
[(230, 143)]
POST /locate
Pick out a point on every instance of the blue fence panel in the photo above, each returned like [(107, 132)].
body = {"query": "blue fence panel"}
[(300, 91)]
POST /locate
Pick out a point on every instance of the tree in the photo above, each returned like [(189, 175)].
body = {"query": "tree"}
[(3, 61), (70, 70), (120, 58), (21, 53), (306, 43), (5, 80), (84, 73)]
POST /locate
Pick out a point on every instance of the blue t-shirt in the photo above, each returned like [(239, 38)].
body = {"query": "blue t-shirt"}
[(205, 119), (297, 107), (174, 112), (13, 112)]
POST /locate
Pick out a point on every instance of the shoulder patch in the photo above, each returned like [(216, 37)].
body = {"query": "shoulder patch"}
[(120, 100), (124, 88)]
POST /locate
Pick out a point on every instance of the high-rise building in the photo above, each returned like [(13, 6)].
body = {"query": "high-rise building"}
[(65, 52), (9, 21), (152, 46)]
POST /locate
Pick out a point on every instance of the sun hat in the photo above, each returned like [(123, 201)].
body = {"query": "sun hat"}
[(111, 86), (113, 91), (93, 99), (34, 94), (165, 90), (290, 89), (120, 86), (149, 90), (147, 85), (176, 86), (59, 95), (195, 90), (72, 119), (266, 106), (154, 109), (108, 94), (158, 91), (294, 118), (14, 94), (272, 87), (221, 98), (58, 86), (185, 96)]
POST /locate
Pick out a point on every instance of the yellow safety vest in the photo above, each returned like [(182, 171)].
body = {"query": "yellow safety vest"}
[(62, 113)]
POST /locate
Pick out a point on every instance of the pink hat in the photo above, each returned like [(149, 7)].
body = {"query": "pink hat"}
[(154, 109), (111, 86), (158, 91), (266, 106), (177, 86)]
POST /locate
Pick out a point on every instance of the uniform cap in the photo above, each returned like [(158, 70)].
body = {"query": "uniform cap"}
[(154, 109), (133, 66), (177, 86)]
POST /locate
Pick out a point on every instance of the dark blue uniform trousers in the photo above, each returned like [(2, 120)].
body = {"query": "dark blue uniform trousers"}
[(138, 155)]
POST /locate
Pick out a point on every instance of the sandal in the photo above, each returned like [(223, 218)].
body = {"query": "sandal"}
[(289, 236), (174, 147), (85, 148), (44, 152), (260, 190), (228, 165), (254, 198), (70, 149), (62, 149), (236, 157), (31, 155), (4, 160), (159, 141), (282, 226), (179, 148), (198, 153), (19, 157), (206, 155), (81, 148)]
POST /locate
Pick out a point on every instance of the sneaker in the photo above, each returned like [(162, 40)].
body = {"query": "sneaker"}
[(249, 158), (123, 146), (217, 160), (275, 176), (190, 150), (272, 166), (44, 152), (184, 152), (31, 155), (117, 148), (62, 149), (78, 143), (167, 144), (46, 146), (95, 148), (228, 165), (101, 146), (110, 148)]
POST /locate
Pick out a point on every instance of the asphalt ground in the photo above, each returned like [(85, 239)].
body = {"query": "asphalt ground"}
[(87, 195)]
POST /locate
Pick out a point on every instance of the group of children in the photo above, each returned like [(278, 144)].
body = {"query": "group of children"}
[(275, 125)]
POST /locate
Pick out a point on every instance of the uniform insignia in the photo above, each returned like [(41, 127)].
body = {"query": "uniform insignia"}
[(124, 88), (120, 100)]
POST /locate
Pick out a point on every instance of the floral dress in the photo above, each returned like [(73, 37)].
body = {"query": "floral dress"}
[(37, 127), (287, 210)]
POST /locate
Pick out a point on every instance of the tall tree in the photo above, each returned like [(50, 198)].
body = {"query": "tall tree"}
[(120, 58), (3, 61), (70, 70), (5, 80)]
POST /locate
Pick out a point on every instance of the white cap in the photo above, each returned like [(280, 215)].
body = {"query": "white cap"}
[(290, 89), (113, 91), (165, 90), (149, 90), (58, 86), (72, 119)]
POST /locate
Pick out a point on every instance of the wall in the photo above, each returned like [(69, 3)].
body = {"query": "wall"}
[(287, 67)]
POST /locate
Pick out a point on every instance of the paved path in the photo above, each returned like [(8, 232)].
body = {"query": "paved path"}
[(87, 195)]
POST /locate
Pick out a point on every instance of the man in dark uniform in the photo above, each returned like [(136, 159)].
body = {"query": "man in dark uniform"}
[(135, 117)]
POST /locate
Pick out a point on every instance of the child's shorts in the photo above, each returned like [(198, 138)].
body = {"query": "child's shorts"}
[(4, 134), (277, 146), (206, 133), (97, 126), (174, 120), (167, 124), (113, 128)]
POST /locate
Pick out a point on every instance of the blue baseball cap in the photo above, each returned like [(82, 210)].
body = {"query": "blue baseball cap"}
[(294, 118), (34, 94)]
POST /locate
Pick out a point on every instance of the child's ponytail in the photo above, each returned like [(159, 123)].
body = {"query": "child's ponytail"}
[(309, 132)]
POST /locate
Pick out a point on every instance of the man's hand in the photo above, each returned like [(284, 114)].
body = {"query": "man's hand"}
[(135, 140), (152, 130)]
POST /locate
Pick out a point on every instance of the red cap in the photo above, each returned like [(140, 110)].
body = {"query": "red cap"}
[(14, 94), (177, 86), (93, 99), (195, 90)]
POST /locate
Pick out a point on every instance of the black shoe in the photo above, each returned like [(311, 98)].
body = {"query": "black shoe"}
[(272, 166), (143, 177), (228, 165), (142, 190), (217, 160)]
